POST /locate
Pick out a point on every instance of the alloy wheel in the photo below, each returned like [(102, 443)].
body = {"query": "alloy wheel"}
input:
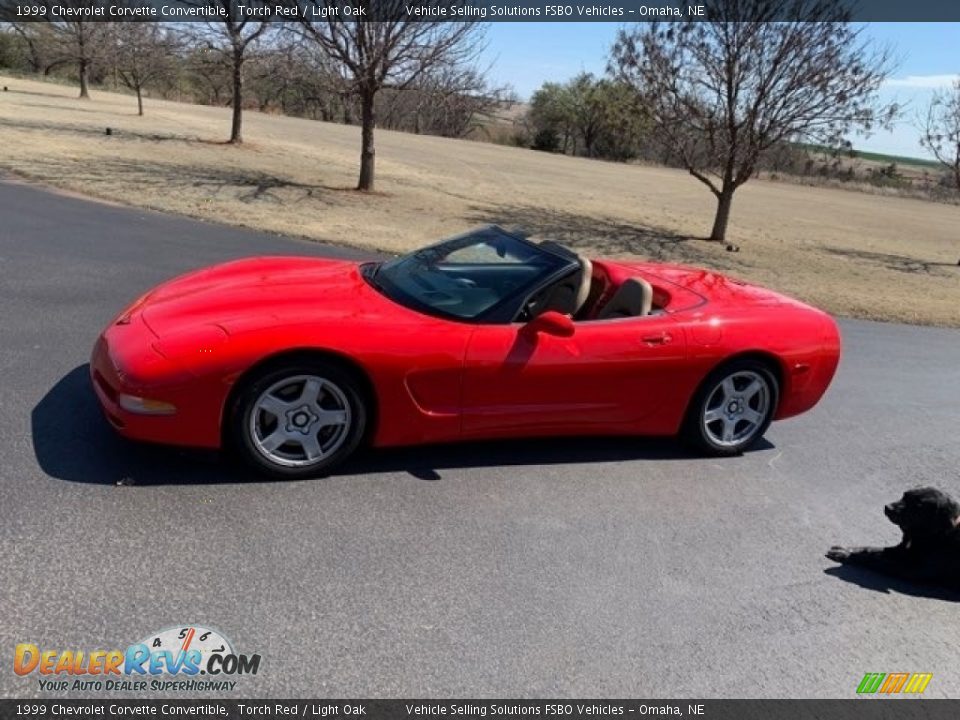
[(300, 420)]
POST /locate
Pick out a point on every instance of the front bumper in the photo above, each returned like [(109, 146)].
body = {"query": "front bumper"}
[(125, 362)]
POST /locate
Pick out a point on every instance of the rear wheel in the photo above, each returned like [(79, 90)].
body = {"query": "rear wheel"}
[(733, 408), (299, 420)]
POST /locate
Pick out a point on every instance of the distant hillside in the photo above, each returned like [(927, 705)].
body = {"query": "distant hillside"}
[(877, 157)]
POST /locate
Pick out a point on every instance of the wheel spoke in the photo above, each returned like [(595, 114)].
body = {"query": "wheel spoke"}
[(752, 416), (311, 390), (752, 389), (713, 415), (311, 447), (274, 440), (331, 417), (728, 388), (274, 405), (728, 429)]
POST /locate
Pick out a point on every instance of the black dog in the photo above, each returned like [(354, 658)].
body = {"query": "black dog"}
[(930, 550)]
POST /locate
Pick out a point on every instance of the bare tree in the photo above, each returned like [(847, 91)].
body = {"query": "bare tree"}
[(448, 100), (231, 35), (388, 47), (207, 73), (722, 92), (275, 72), (287, 74), (35, 38), (81, 43), (941, 130), (144, 54)]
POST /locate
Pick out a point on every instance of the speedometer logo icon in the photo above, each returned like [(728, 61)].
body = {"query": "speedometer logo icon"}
[(182, 640)]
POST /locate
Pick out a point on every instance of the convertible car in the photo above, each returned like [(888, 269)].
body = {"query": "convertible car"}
[(294, 363)]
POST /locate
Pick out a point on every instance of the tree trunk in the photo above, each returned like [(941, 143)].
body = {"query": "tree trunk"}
[(236, 128), (139, 101), (84, 70), (367, 153), (724, 201)]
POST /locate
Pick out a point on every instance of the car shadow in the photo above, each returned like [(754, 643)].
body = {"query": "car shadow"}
[(426, 462), (878, 582), (73, 441)]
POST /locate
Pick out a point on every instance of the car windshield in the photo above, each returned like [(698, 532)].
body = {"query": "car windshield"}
[(467, 276)]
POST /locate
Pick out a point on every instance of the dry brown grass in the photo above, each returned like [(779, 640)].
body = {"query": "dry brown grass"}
[(854, 254)]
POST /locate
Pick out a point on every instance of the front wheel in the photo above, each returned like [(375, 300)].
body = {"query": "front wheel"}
[(732, 409), (299, 420)]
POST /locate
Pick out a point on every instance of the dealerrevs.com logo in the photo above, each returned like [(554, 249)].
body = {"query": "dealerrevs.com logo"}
[(189, 658)]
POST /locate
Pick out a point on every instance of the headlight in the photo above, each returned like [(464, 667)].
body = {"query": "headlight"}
[(145, 406)]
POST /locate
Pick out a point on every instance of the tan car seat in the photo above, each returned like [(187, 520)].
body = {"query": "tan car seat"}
[(568, 295), (634, 298)]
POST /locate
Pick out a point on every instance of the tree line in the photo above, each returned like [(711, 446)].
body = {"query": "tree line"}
[(721, 98)]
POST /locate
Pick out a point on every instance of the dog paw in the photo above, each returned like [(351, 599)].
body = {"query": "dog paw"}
[(838, 554)]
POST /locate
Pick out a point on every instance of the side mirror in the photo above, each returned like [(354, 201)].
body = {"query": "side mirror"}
[(551, 323)]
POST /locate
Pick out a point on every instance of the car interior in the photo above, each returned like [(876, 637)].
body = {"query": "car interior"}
[(594, 291), (470, 279)]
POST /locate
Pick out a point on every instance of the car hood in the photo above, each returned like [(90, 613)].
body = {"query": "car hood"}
[(258, 292)]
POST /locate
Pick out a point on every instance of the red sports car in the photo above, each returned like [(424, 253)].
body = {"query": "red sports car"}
[(297, 362)]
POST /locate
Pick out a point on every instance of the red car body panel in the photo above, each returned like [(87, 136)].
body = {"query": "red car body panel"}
[(189, 341)]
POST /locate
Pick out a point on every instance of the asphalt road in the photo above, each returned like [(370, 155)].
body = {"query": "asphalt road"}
[(572, 568)]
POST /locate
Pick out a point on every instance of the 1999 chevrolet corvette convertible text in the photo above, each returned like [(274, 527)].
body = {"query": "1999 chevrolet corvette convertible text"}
[(296, 362)]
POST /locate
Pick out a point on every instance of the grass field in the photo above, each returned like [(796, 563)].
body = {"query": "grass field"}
[(862, 255), (899, 159)]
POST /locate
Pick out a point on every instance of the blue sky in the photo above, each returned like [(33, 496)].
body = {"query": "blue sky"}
[(526, 54)]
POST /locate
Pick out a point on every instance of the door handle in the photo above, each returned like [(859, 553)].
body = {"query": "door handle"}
[(657, 339)]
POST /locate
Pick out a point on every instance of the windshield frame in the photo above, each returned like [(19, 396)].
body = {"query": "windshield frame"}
[(560, 262)]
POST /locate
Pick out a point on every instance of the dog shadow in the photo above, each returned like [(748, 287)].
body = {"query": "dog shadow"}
[(878, 582), (72, 441)]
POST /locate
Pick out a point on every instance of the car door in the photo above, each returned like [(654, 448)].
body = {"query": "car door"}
[(609, 375)]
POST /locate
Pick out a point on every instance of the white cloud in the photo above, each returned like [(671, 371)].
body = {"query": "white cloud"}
[(923, 81)]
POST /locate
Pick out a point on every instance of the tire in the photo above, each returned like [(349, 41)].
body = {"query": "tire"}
[(732, 408), (298, 420)]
